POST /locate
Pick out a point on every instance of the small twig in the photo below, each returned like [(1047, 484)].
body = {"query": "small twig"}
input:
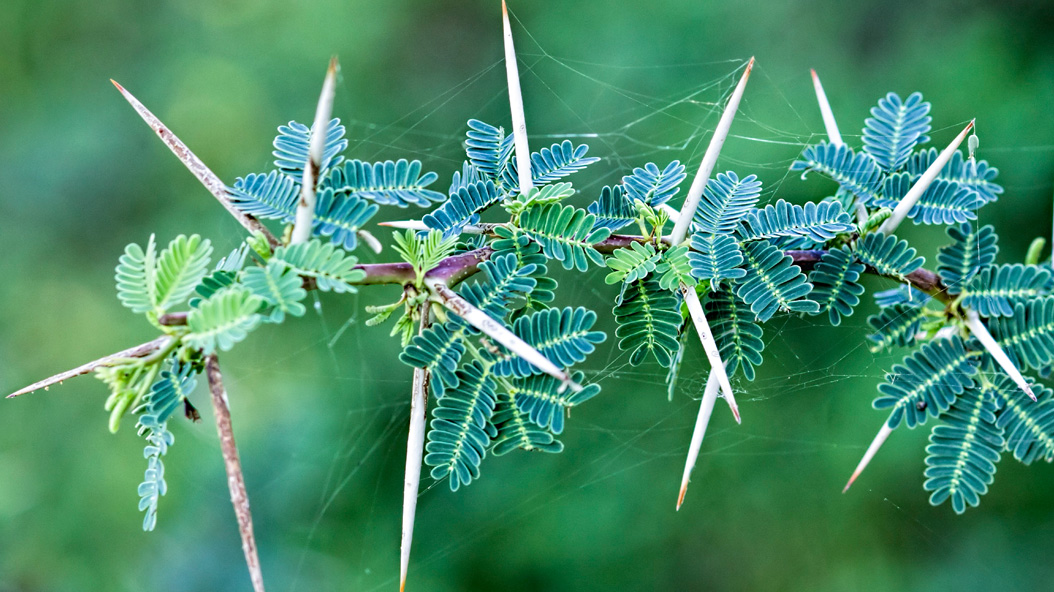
[(706, 408), (871, 450), (415, 445), (978, 330), (519, 124), (912, 196), (482, 321), (235, 479), (140, 351), (208, 178), (833, 136), (305, 210), (706, 166)]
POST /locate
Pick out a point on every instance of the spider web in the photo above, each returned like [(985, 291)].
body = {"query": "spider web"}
[(627, 125)]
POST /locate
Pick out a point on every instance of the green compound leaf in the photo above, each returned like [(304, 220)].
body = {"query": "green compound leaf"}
[(458, 440), (773, 283), (649, 320), (994, 291), (726, 199), (561, 335), (653, 186), (488, 149), (963, 451), (136, 276), (550, 164), (857, 173), (158, 439), (817, 222), (332, 268), (927, 382), (836, 286), (715, 257), (613, 209), (895, 127), (272, 196), (341, 216), (970, 250), (279, 286), (631, 264), (1029, 424), (439, 349), (897, 324), (167, 394), (943, 202), (738, 336), (505, 281), (398, 183), (887, 255), (527, 252), (223, 319), (292, 143), (565, 233), (975, 175), (546, 402), (463, 207), (1028, 335), (516, 430), (675, 268)]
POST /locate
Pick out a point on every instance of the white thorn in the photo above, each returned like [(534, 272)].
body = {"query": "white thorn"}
[(415, 444), (717, 366), (871, 450), (371, 241), (418, 225), (695, 192), (706, 408), (519, 124), (833, 136), (912, 197), (305, 210), (482, 321), (977, 328)]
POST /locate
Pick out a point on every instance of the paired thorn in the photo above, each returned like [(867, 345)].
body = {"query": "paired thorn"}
[(207, 178), (833, 136), (235, 478), (706, 337), (695, 192), (706, 408), (305, 211), (912, 196), (978, 330), (871, 450), (519, 124)]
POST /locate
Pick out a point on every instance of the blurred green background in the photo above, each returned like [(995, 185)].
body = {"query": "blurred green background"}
[(320, 404)]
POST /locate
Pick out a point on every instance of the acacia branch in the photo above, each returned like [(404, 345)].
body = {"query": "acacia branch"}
[(235, 479), (140, 351)]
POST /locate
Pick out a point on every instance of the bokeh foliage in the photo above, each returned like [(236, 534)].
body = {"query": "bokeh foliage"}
[(322, 432)]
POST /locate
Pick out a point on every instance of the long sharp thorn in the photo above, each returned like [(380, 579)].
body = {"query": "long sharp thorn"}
[(496, 331), (871, 450), (208, 178), (912, 196), (977, 328), (706, 408), (305, 210), (140, 351), (519, 124), (415, 444), (695, 192), (483, 228), (717, 365), (833, 136), (235, 478)]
